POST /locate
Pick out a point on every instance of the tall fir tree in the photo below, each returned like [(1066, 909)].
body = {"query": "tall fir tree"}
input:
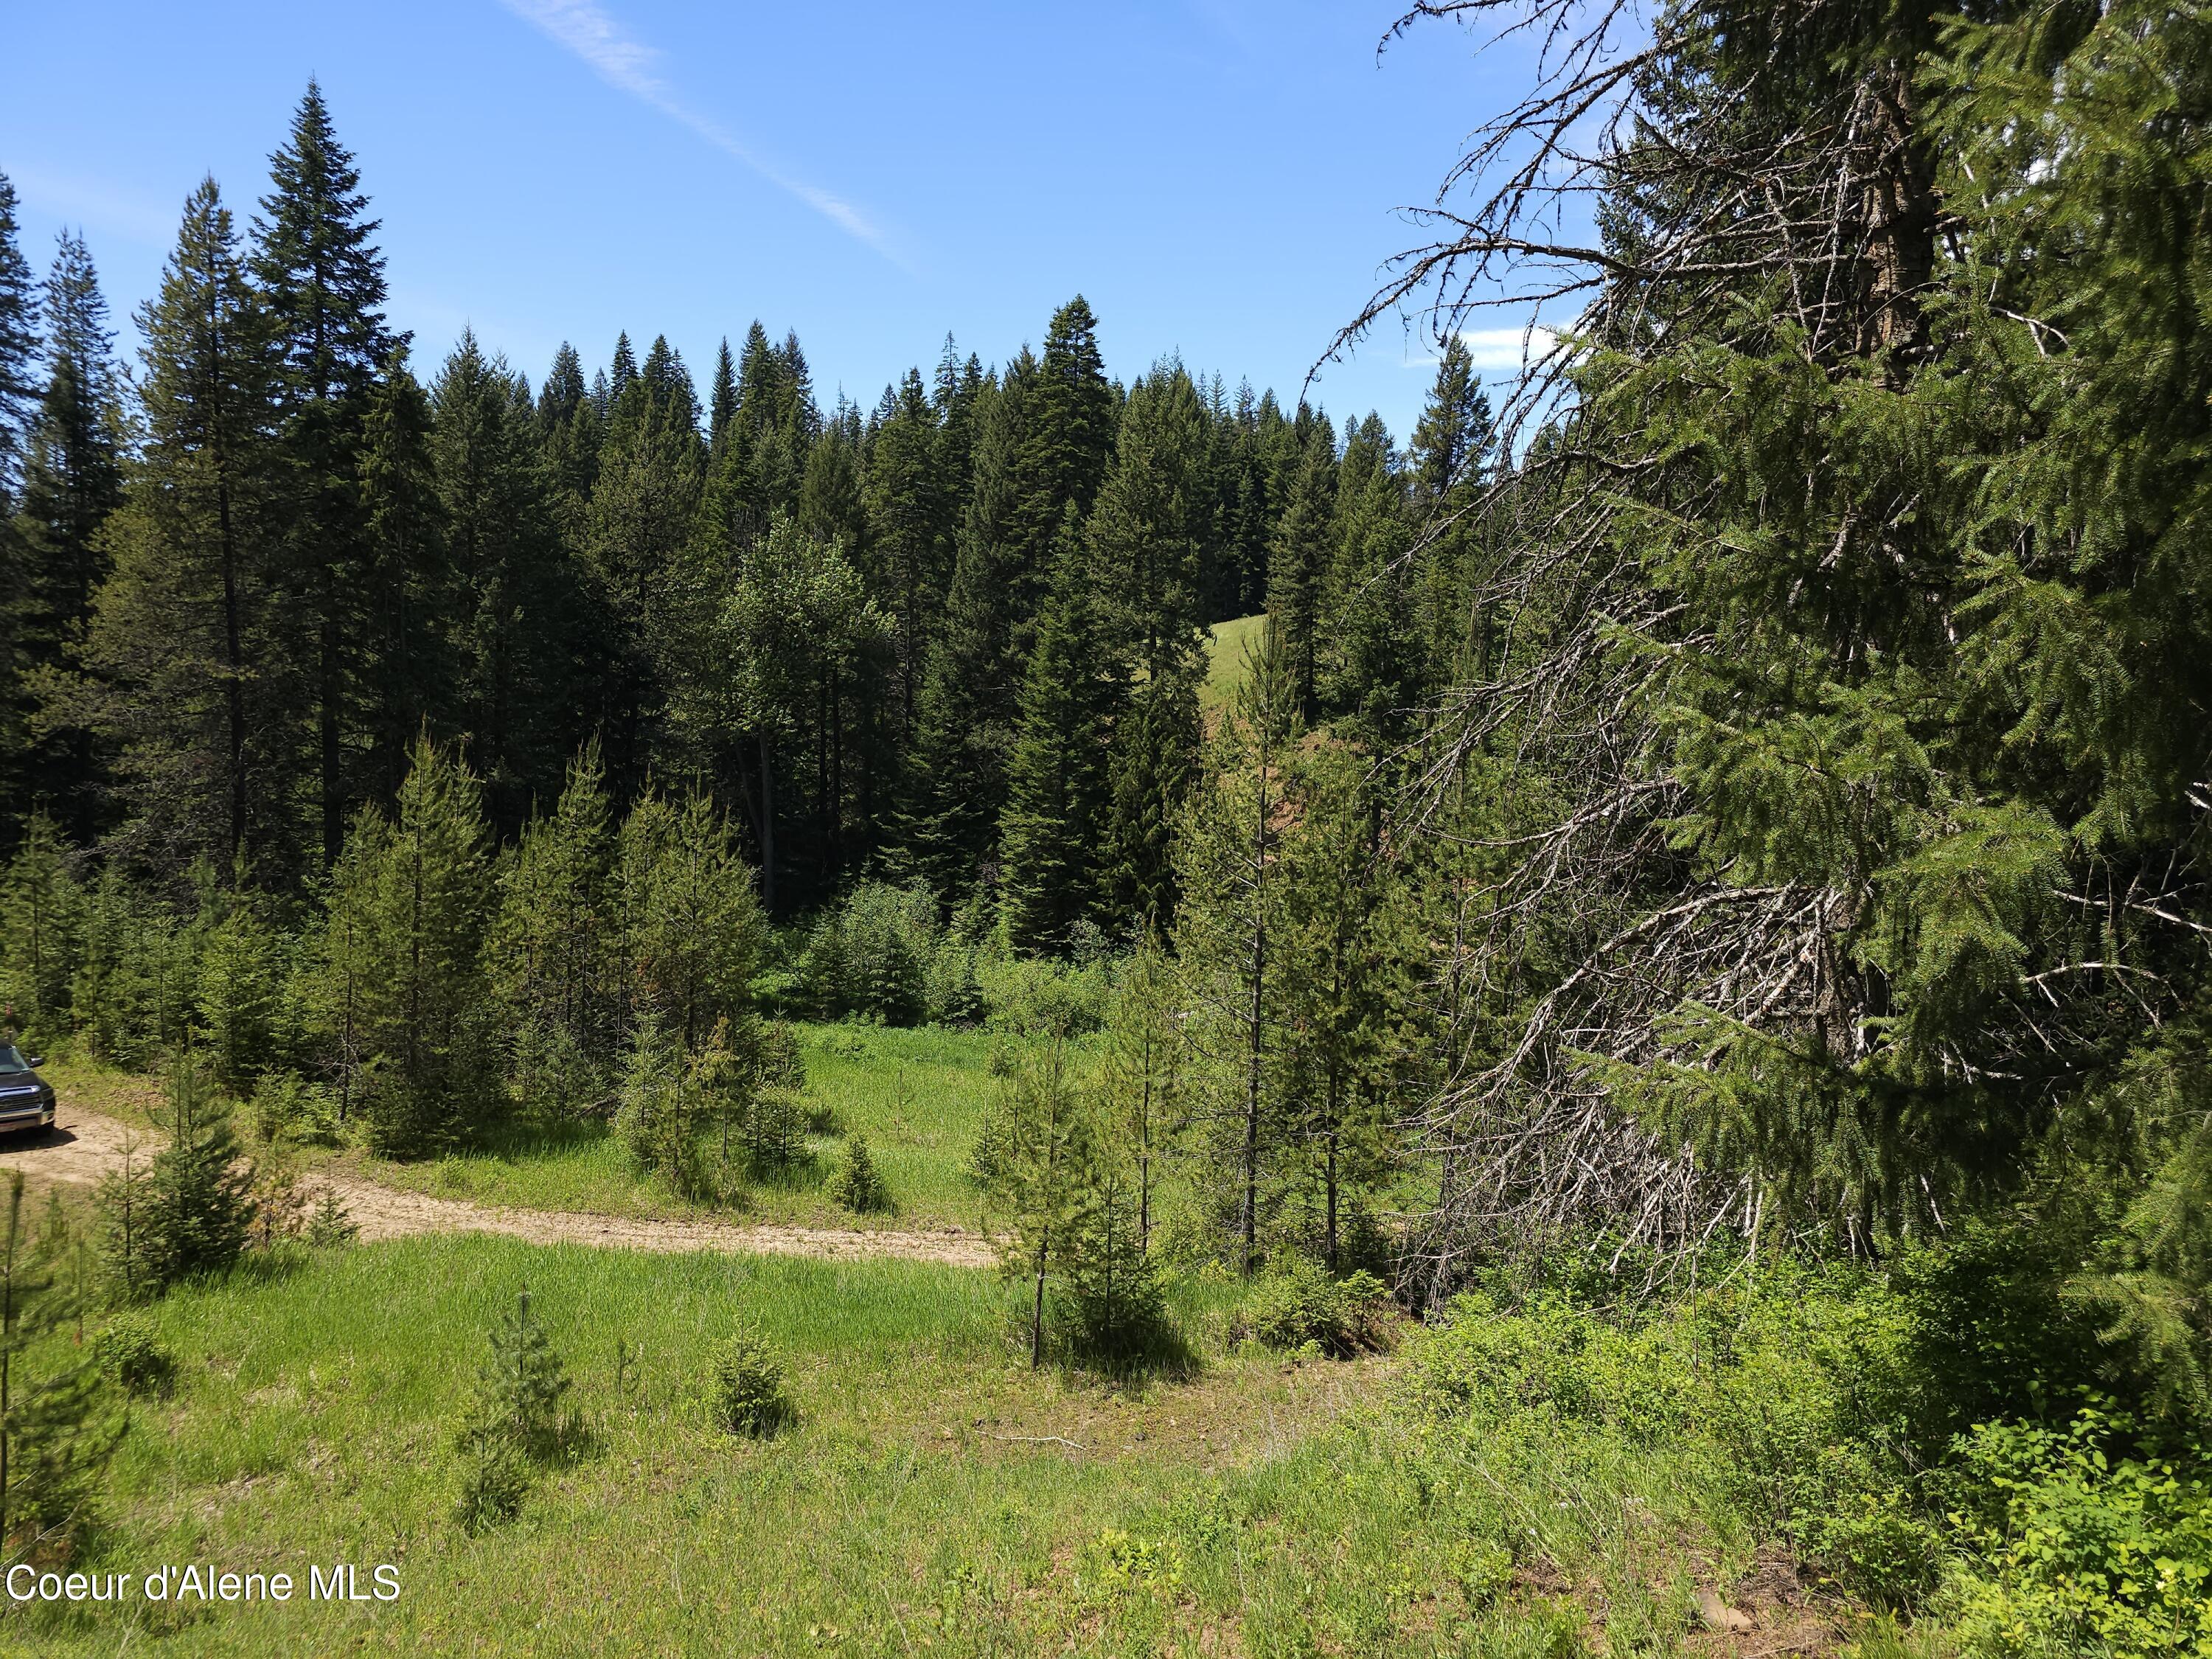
[(19, 345), (321, 281), (970, 702), (1299, 560), (186, 681), (1057, 782), (409, 604), (72, 479)]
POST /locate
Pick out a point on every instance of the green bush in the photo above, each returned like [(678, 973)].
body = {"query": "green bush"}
[(1797, 1394), (130, 1353), (287, 1106), (854, 1184), (871, 956), (1301, 1304), (2071, 1545), (746, 1393)]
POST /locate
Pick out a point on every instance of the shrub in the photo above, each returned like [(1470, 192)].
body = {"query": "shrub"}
[(854, 1184), (130, 1353), (746, 1388), (873, 956), (1796, 1393), (2072, 1546), (1301, 1304), (287, 1106)]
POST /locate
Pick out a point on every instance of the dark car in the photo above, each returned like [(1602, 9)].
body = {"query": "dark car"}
[(26, 1100)]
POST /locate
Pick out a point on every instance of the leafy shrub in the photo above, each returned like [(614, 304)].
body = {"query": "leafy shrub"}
[(130, 1352), (287, 1106), (1031, 998), (1796, 1392), (1301, 1304), (2073, 1546), (955, 989), (746, 1393), (854, 1184)]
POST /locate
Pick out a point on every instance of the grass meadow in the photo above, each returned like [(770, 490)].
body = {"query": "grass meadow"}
[(918, 1097), (934, 1496)]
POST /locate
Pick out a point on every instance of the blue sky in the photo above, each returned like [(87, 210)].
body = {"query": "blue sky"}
[(1218, 177)]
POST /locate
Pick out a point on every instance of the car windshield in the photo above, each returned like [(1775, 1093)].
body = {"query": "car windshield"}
[(11, 1060)]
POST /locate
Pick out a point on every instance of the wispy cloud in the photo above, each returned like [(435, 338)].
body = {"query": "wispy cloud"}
[(629, 65), (1504, 351)]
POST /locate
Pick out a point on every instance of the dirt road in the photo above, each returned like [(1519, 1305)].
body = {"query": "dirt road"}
[(90, 1146)]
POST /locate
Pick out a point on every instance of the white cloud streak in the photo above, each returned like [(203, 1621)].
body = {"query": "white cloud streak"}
[(582, 28), (1504, 351)]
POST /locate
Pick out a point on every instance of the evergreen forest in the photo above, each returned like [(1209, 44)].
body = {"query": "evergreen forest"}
[(1652, 926)]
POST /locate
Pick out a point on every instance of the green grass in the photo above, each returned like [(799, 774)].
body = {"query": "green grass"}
[(920, 1096), (934, 1496), (1226, 651), (316, 1397)]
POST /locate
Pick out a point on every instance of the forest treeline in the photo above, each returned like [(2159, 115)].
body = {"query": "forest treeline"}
[(417, 757), (952, 638)]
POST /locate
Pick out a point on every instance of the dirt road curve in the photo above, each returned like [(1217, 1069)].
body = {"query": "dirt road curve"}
[(88, 1146)]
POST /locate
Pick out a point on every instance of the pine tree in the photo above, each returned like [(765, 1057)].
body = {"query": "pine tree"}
[(72, 479), (1346, 959), (1154, 760), (1114, 1288), (691, 925), (1229, 937), (321, 283), (1044, 1146), (652, 472), (407, 672), (1297, 572), (970, 703), (569, 418), (188, 681), (663, 1107), (557, 948), (1143, 1074), (400, 963), (41, 910), (194, 1212), (19, 342), (908, 539), (722, 401), (517, 613), (1057, 782), (1378, 669), (57, 1431), (1071, 431), (1149, 523)]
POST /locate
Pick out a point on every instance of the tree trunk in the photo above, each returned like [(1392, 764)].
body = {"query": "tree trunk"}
[(767, 823)]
